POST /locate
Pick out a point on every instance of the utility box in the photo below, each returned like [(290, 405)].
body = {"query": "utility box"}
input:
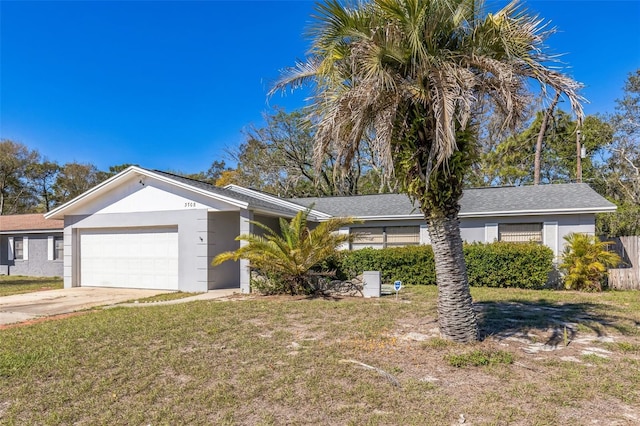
[(371, 283)]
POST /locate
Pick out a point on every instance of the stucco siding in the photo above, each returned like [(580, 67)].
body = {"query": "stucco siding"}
[(474, 229), (270, 221), (37, 263), (192, 252)]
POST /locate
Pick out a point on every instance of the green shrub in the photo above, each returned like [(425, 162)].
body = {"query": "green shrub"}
[(522, 265), (411, 264), (502, 264)]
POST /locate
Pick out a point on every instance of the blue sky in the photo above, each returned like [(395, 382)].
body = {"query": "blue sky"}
[(170, 85)]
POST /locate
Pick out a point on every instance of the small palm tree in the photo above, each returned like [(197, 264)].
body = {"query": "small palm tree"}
[(585, 260), (290, 255)]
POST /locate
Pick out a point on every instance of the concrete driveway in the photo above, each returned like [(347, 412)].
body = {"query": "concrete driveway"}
[(28, 306)]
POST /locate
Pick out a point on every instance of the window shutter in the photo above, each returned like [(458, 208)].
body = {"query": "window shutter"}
[(551, 237), (424, 235), (343, 231), (10, 252), (50, 247), (25, 248), (490, 232)]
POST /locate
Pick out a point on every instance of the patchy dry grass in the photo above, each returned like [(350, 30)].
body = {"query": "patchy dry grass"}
[(15, 284), (281, 360)]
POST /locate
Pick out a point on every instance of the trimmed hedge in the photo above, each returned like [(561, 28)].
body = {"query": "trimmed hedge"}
[(500, 264), (411, 264)]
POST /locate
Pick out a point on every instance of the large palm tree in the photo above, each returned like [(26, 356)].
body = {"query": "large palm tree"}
[(412, 72)]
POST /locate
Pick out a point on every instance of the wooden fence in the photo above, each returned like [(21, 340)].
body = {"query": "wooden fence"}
[(626, 277)]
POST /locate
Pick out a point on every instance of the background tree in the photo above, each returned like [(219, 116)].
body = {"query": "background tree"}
[(412, 72), (619, 173), (278, 158), (211, 175), (15, 194), (42, 177), (512, 160), (112, 171), (544, 122), (74, 179), (491, 132)]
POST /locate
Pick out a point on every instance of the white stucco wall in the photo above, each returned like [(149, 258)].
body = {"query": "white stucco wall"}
[(192, 252)]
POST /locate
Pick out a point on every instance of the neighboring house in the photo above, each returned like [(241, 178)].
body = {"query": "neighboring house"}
[(150, 229), (31, 245)]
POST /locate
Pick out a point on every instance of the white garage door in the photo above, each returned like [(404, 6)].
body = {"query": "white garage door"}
[(131, 258)]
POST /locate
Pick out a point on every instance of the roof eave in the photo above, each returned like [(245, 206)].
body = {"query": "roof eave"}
[(33, 231), (278, 201), (540, 212)]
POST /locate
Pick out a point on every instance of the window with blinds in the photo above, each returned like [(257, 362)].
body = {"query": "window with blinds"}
[(402, 236), (390, 236), (520, 232), (368, 237)]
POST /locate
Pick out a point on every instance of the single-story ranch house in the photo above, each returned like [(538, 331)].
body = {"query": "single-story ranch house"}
[(151, 229), (31, 245)]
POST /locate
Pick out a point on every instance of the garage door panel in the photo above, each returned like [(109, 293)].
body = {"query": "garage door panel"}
[(133, 258)]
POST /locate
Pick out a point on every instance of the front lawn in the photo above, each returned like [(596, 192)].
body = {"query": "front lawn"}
[(16, 284), (548, 358)]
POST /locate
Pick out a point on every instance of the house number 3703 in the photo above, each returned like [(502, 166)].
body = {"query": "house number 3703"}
[(189, 204)]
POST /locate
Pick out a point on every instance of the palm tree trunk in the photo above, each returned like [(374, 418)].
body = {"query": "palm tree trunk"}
[(456, 317)]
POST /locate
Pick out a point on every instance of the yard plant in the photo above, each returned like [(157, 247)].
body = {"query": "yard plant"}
[(285, 259), (585, 260), (412, 74)]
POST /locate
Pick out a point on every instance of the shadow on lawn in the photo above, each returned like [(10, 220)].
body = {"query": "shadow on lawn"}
[(554, 320)]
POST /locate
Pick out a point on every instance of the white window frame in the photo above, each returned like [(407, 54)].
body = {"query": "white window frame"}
[(57, 256), (25, 248)]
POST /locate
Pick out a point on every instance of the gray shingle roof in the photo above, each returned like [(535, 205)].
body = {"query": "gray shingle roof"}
[(475, 202), (253, 202)]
